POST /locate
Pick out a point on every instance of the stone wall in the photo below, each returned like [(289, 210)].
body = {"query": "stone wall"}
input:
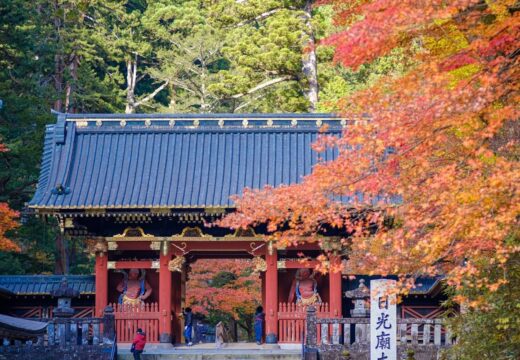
[(70, 352), (361, 352)]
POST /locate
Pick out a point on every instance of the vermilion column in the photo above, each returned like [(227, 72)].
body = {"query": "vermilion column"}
[(165, 295), (271, 297), (335, 286), (101, 283)]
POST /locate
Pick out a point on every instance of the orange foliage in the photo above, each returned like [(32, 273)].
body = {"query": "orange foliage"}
[(7, 222), (238, 297), (443, 139)]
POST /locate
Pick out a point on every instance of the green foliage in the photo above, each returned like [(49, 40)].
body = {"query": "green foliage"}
[(36, 239), (494, 331), (223, 278), (340, 82)]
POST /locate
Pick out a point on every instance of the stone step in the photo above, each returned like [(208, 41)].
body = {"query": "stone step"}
[(215, 355), (236, 351)]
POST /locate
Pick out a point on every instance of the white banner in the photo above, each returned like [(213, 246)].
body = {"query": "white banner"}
[(383, 320)]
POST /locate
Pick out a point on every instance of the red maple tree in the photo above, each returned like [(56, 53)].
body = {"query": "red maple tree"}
[(430, 158), (224, 287), (7, 222)]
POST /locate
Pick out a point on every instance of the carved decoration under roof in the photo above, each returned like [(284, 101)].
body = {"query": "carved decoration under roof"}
[(192, 232), (134, 232), (249, 232), (259, 264), (176, 264), (97, 246), (155, 245)]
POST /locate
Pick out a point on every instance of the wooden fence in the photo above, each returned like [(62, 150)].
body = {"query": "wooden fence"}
[(46, 312), (130, 318), (291, 321)]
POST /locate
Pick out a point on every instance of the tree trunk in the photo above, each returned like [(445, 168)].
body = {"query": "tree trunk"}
[(234, 330), (60, 263), (172, 104), (58, 63), (131, 76), (69, 88), (309, 62)]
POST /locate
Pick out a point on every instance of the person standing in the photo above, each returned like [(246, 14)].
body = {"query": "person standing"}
[(138, 344), (188, 325), (259, 324)]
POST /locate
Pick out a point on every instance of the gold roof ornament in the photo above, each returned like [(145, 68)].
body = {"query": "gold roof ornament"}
[(192, 232), (134, 232), (176, 264), (259, 264), (240, 232), (97, 246)]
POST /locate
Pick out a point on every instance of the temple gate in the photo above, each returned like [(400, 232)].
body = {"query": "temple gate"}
[(144, 191), (161, 315)]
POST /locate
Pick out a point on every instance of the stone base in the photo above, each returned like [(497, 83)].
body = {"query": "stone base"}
[(165, 338), (53, 352), (271, 339)]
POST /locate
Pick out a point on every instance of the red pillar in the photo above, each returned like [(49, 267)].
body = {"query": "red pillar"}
[(101, 283), (165, 296), (262, 279), (177, 307), (271, 296), (335, 286)]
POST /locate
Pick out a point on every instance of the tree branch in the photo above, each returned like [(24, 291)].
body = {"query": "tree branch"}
[(262, 16), (264, 85), (152, 95)]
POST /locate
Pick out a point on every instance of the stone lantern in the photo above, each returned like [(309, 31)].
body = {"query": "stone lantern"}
[(64, 294), (359, 298)]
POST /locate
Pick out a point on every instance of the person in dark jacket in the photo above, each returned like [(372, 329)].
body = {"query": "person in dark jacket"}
[(259, 324), (188, 325), (138, 344)]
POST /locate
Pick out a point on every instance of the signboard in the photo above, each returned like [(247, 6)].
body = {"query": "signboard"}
[(383, 321)]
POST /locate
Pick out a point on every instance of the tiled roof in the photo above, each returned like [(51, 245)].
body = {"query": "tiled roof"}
[(24, 325), (44, 284), (173, 161), (423, 285)]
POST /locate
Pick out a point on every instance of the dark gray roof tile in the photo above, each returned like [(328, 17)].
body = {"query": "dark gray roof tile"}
[(114, 166), (44, 284)]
